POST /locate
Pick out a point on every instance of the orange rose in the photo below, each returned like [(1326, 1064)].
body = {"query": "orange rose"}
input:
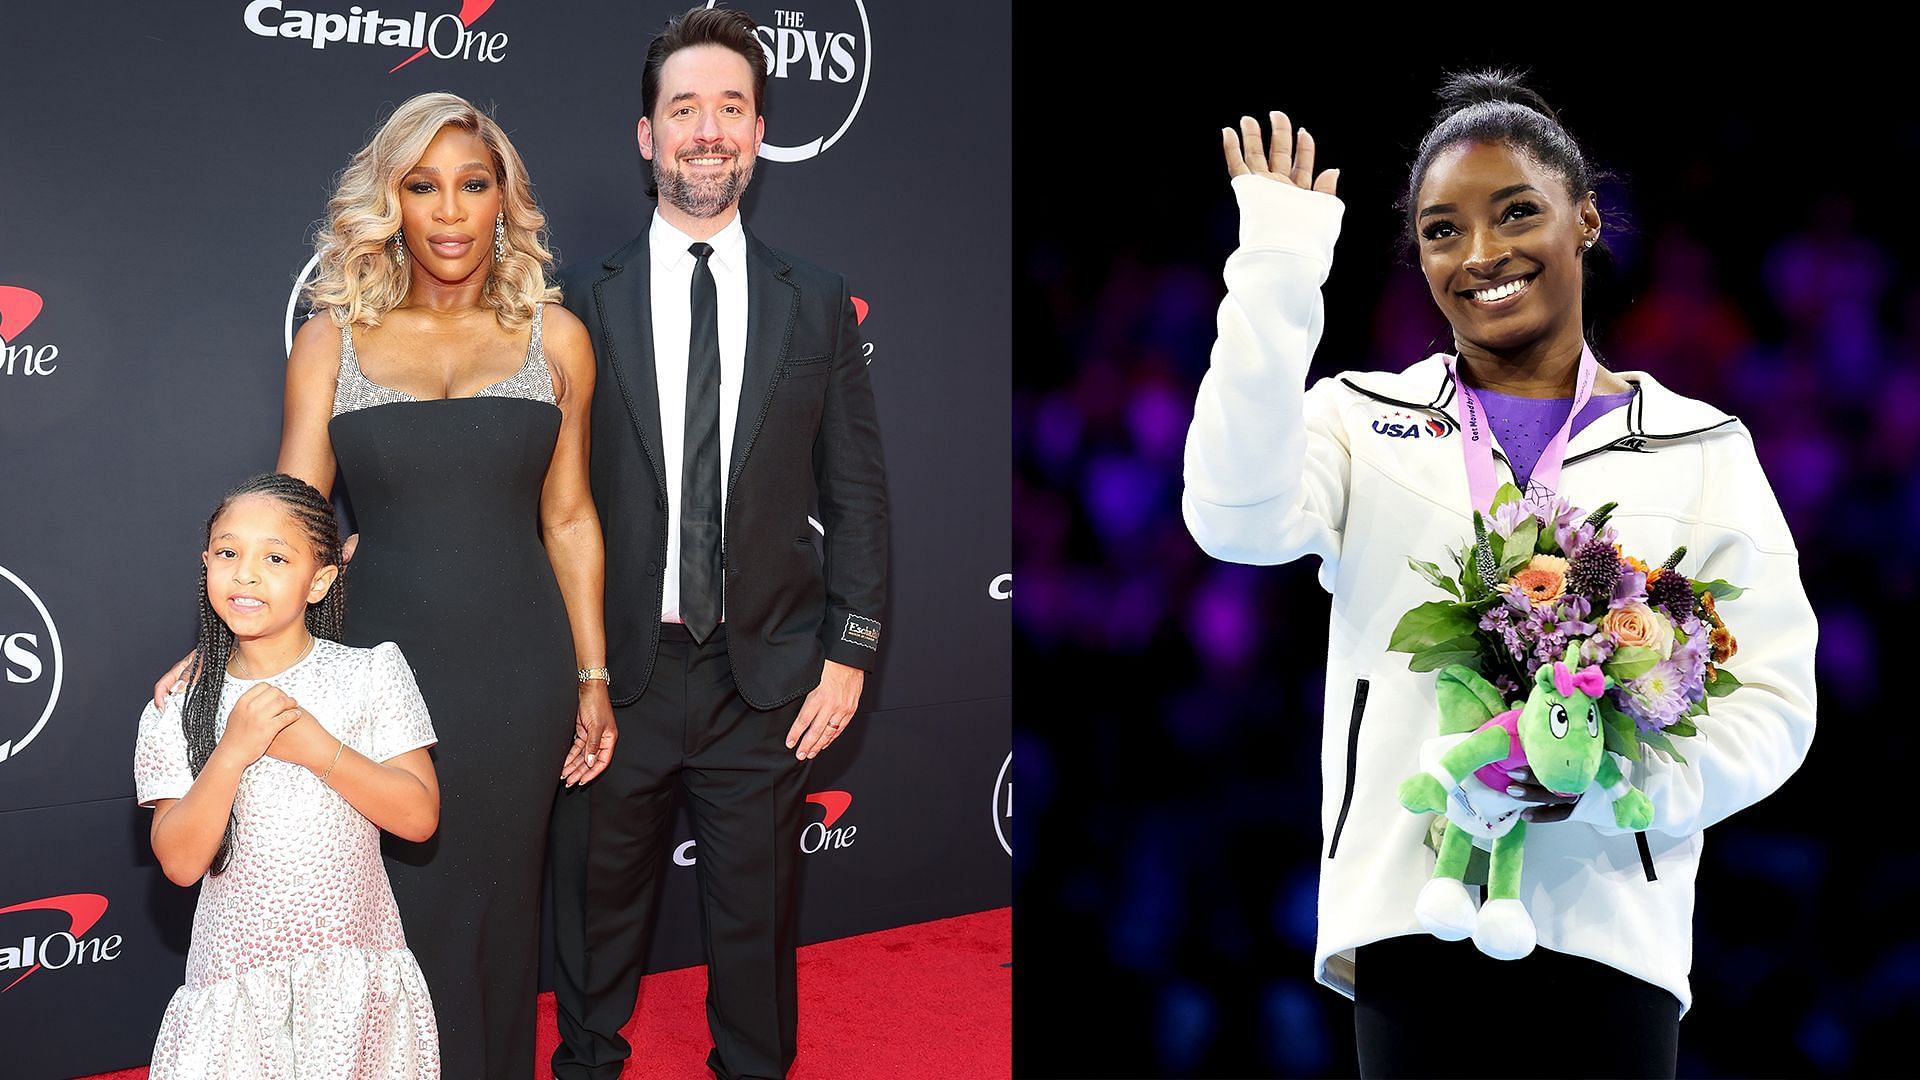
[(1543, 579), (1638, 624)]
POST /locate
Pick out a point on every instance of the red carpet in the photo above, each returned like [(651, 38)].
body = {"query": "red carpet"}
[(931, 1000)]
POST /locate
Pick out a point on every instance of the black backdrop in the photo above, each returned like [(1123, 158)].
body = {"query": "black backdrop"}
[(160, 167)]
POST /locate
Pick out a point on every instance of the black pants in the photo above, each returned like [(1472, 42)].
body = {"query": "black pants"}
[(690, 731), (1426, 1007)]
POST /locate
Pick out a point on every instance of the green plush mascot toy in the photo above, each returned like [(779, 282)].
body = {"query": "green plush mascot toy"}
[(1556, 736)]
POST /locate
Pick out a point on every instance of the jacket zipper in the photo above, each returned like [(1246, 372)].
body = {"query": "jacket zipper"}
[(1353, 759)]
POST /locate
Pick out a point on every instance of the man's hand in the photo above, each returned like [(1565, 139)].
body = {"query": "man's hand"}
[(827, 710), (594, 734)]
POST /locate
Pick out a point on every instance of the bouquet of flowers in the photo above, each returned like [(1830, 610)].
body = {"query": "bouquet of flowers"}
[(1541, 576)]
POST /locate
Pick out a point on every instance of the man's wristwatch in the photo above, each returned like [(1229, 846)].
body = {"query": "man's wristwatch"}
[(590, 673)]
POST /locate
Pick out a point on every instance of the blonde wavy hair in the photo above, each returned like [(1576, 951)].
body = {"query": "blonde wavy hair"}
[(357, 281)]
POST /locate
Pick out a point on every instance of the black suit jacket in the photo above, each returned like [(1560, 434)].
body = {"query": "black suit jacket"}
[(806, 434)]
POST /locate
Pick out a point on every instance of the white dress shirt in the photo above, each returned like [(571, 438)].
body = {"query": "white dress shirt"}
[(672, 284)]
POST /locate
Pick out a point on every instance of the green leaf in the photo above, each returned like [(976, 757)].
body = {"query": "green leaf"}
[(1459, 650), (1507, 494), (1433, 573), (1618, 729), (1525, 536), (1721, 590), (1470, 574), (1682, 728), (1430, 624), (1630, 662), (1512, 565), (1723, 683), (1659, 741)]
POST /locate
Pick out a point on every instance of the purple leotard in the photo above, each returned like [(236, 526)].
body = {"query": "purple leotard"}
[(1524, 426)]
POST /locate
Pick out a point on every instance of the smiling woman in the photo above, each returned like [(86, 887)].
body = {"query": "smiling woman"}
[(1501, 212), (451, 394)]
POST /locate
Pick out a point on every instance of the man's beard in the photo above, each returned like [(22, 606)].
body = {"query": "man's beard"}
[(702, 196)]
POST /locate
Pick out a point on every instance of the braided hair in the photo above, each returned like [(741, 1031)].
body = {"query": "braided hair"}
[(207, 669)]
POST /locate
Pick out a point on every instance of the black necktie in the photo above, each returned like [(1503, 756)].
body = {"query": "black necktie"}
[(700, 556)]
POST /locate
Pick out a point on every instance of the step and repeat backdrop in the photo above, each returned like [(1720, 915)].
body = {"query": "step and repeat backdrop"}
[(161, 168)]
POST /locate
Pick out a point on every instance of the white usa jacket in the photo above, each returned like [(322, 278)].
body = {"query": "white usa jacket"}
[(1365, 470)]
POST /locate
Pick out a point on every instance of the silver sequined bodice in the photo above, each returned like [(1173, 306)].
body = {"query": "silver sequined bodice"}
[(353, 390)]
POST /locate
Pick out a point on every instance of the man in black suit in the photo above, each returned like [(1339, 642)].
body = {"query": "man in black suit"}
[(732, 399)]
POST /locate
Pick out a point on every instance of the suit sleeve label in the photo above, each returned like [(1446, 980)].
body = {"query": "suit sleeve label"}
[(862, 631)]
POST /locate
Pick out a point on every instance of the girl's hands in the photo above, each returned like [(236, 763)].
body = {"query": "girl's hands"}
[(1290, 162), (258, 717), (305, 742)]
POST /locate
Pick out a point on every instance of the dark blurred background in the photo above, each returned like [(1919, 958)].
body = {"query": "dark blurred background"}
[(1761, 225)]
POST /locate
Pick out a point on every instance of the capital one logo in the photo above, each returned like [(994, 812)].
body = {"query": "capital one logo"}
[(860, 309), (18, 308), (31, 662), (1003, 805), (820, 57), (1001, 588), (445, 36), (818, 836), (31, 949)]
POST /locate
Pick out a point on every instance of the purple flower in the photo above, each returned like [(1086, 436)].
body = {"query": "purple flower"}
[(1510, 516), (1597, 649), (1632, 586), (1657, 698)]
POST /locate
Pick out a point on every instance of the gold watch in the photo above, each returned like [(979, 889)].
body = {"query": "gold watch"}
[(591, 673)]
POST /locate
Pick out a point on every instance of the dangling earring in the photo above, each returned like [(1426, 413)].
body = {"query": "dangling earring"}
[(500, 237), (400, 248)]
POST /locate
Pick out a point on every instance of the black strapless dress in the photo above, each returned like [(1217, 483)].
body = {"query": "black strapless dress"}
[(451, 566)]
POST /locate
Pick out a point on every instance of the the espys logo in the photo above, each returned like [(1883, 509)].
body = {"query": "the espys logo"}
[(1003, 805), (445, 36), (818, 836), (30, 948), (31, 661), (823, 66), (18, 308)]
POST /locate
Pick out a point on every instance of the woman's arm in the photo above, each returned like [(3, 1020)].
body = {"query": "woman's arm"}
[(1754, 738), (571, 529), (312, 368), (1266, 464)]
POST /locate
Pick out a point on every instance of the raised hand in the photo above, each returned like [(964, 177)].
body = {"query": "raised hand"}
[(1289, 162)]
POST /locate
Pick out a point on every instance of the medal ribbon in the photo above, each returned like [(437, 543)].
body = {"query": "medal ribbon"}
[(1476, 440)]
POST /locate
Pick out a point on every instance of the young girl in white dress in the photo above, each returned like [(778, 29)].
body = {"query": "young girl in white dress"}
[(272, 775)]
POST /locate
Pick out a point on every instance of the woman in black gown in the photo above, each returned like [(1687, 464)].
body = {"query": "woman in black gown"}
[(451, 392)]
